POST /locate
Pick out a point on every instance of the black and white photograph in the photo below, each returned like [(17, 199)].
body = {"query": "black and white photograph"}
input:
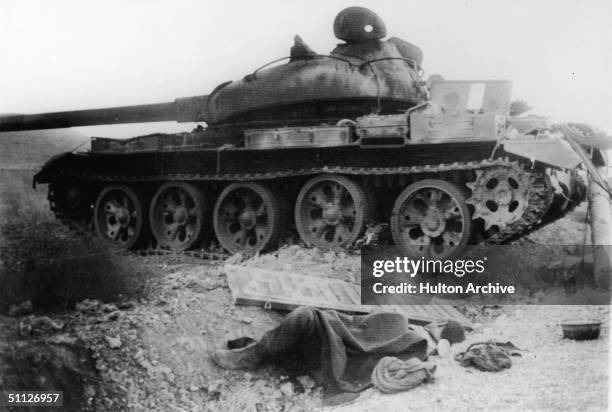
[(326, 206)]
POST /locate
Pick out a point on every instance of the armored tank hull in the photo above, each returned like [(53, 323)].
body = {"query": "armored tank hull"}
[(436, 197), (325, 147)]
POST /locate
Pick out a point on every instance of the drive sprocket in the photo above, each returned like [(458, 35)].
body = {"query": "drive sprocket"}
[(500, 195)]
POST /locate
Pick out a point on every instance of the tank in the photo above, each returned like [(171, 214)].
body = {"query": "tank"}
[(325, 146)]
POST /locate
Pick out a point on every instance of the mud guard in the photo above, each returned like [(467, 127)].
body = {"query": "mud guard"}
[(50, 167), (554, 152)]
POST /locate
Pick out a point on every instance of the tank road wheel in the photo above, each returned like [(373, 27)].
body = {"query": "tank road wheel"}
[(70, 198), (247, 217), (331, 211), (119, 217), (177, 215), (430, 218)]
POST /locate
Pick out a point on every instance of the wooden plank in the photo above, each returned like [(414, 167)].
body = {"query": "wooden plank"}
[(285, 291)]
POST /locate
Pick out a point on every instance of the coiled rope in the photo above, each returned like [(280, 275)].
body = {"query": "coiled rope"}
[(392, 375)]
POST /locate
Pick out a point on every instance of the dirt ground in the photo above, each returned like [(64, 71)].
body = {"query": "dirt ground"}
[(144, 328), (553, 374)]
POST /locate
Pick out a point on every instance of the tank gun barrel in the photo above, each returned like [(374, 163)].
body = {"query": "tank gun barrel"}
[(188, 109)]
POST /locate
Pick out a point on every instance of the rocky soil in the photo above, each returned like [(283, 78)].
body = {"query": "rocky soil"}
[(136, 333), (552, 373)]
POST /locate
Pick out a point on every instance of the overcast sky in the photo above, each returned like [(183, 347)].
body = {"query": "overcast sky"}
[(63, 54)]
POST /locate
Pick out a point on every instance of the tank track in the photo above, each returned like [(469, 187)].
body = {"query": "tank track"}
[(540, 197), (84, 229), (355, 171)]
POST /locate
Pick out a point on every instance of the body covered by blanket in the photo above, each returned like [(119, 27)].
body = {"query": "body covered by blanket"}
[(344, 348)]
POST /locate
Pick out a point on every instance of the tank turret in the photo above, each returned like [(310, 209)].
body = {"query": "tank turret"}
[(363, 75)]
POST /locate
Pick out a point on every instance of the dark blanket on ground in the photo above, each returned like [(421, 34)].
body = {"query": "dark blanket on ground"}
[(345, 348)]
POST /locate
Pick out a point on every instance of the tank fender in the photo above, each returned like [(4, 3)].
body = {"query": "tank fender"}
[(554, 151), (50, 168)]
